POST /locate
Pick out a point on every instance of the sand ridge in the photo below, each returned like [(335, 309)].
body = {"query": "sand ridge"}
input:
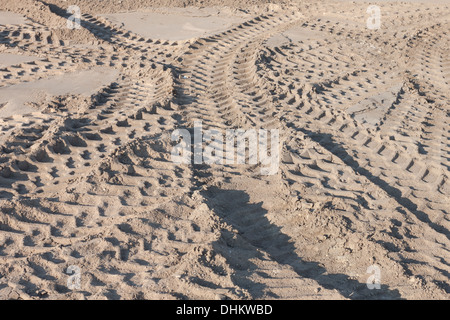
[(86, 177)]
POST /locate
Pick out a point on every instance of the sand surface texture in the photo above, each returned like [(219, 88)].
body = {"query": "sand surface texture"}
[(88, 187)]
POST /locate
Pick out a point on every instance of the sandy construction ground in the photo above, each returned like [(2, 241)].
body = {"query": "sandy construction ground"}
[(92, 205)]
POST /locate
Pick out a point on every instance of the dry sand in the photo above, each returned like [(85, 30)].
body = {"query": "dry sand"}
[(87, 181)]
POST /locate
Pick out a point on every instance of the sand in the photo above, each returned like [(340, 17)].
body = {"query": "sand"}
[(11, 18), (89, 190), (177, 24), (10, 59)]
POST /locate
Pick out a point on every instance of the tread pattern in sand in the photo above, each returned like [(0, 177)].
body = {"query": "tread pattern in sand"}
[(363, 180)]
